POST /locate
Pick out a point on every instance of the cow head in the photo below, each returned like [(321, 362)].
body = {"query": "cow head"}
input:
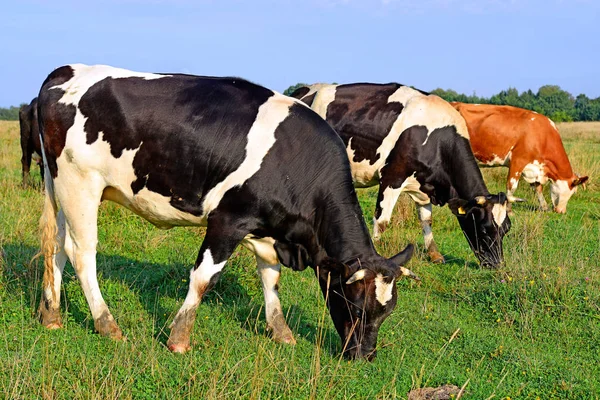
[(562, 190), (484, 222), (360, 297)]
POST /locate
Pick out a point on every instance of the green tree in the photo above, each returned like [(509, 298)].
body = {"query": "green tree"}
[(10, 114), (292, 88)]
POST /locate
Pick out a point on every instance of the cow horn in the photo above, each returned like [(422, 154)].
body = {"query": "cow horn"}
[(480, 200), (513, 199), (357, 276), (409, 273)]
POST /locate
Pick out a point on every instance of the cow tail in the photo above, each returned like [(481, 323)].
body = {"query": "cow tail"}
[(49, 229)]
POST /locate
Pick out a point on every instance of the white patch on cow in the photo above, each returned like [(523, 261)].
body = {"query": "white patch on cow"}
[(260, 140), (499, 213), (364, 174), (498, 161), (325, 95), (262, 248), (383, 290), (553, 124), (533, 118), (514, 182), (534, 172), (560, 194), (85, 76), (314, 88), (421, 110), (425, 217), (199, 278), (411, 187), (403, 95)]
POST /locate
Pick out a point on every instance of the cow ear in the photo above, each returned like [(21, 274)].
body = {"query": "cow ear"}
[(404, 256), (580, 180), (292, 255), (458, 207), (332, 266), (401, 259)]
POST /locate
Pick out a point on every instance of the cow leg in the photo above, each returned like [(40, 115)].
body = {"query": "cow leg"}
[(386, 201), (41, 165), (219, 243), (269, 276), (80, 199), (514, 173), (49, 310), (539, 191), (25, 162), (424, 212)]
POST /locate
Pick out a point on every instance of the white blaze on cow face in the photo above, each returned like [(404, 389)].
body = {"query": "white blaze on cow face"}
[(499, 213), (560, 194), (383, 290), (260, 140)]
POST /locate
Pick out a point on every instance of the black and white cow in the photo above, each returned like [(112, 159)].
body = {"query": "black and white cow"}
[(30, 140), (253, 166), (408, 141)]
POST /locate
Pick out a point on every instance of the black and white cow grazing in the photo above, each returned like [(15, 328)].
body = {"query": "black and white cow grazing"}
[(253, 166), (30, 140), (409, 141)]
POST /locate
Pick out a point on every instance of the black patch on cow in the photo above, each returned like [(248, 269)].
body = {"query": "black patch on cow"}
[(56, 118), (155, 116), (300, 92), (361, 112), (308, 100), (444, 166)]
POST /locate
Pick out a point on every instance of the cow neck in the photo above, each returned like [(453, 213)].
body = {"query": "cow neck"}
[(342, 231), (465, 175)]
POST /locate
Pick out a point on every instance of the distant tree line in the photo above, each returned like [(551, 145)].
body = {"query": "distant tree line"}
[(10, 113), (549, 100)]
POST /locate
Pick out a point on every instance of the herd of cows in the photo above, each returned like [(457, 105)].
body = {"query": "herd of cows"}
[(276, 174)]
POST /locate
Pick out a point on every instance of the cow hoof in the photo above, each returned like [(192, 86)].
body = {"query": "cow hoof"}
[(179, 348), (280, 331), (106, 326), (284, 337), (437, 258), (49, 318)]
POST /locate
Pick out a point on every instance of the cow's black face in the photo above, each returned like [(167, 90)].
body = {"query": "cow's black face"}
[(360, 298), (484, 222)]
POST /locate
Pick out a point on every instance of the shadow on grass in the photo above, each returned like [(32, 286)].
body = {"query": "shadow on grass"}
[(150, 282)]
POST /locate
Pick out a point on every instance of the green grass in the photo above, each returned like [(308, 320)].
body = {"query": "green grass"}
[(531, 330)]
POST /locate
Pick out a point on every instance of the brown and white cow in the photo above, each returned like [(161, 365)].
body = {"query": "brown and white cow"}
[(526, 142), (408, 141), (255, 167)]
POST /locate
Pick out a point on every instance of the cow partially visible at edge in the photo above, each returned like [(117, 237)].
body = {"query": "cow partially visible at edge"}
[(30, 141), (255, 167), (526, 142), (407, 141)]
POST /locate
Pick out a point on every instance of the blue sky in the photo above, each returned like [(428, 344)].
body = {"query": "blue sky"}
[(480, 46)]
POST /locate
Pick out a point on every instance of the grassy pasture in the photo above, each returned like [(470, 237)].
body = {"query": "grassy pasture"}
[(530, 330)]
